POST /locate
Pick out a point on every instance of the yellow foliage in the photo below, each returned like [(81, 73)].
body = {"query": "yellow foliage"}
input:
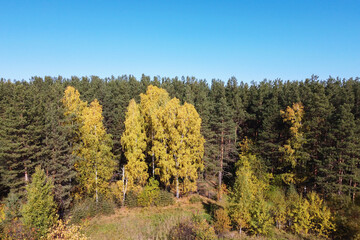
[(95, 165), (65, 231), (322, 220), (2, 212), (72, 102), (179, 145), (133, 141), (151, 102), (293, 115), (222, 221)]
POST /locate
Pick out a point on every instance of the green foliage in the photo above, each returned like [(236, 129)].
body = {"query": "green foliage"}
[(278, 206), (88, 208), (247, 206), (36, 128), (195, 199), (11, 207), (17, 230), (131, 200), (149, 194), (39, 211), (347, 217), (164, 198), (261, 221)]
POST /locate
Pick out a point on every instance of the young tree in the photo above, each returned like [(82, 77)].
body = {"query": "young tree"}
[(247, 206), (40, 209)]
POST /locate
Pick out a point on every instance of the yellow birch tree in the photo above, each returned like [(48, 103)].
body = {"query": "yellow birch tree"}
[(150, 103), (91, 143), (179, 146), (96, 164), (292, 149), (133, 141)]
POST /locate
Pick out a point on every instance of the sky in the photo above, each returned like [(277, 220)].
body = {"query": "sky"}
[(250, 39)]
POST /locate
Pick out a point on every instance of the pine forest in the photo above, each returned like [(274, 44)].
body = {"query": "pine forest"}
[(208, 159)]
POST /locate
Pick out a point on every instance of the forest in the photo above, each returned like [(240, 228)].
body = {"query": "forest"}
[(277, 159)]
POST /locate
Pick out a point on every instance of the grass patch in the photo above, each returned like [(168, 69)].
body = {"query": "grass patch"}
[(140, 223)]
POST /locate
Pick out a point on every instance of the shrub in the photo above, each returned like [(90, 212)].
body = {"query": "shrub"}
[(202, 229), (89, 208), (222, 221), (182, 231), (195, 199), (17, 230), (164, 198), (65, 231), (131, 200), (197, 229), (149, 194)]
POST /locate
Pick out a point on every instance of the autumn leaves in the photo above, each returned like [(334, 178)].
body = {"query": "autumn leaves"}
[(91, 144), (168, 135), (161, 140)]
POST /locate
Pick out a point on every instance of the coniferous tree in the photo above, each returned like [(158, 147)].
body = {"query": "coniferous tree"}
[(223, 126), (40, 209), (59, 163)]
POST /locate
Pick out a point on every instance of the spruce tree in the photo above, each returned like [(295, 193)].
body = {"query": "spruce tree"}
[(39, 211)]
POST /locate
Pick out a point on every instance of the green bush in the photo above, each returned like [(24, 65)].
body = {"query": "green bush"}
[(131, 200), (165, 198), (149, 194), (195, 199), (89, 208)]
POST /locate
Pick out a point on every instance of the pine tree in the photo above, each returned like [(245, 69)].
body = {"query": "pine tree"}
[(59, 163), (18, 153), (224, 129), (40, 209)]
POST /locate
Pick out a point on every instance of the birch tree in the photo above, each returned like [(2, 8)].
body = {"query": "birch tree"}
[(151, 101), (133, 141), (179, 146)]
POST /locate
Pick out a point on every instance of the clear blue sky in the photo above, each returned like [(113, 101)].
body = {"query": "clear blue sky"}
[(250, 39)]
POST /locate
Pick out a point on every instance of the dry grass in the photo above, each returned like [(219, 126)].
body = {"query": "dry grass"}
[(141, 223), (157, 222)]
